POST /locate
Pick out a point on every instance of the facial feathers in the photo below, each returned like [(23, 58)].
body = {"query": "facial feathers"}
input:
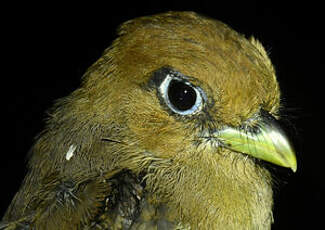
[(122, 118)]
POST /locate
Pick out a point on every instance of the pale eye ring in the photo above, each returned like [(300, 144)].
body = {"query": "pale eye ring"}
[(181, 96)]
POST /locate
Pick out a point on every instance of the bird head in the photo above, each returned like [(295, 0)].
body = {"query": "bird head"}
[(187, 103)]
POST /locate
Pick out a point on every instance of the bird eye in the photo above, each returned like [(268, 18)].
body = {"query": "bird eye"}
[(181, 96)]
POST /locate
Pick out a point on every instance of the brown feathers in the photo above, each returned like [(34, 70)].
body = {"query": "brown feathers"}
[(119, 120)]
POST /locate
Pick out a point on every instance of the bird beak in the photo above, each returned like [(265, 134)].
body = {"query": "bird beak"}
[(266, 141)]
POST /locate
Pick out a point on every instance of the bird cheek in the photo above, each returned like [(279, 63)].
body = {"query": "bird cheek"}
[(152, 128), (156, 137)]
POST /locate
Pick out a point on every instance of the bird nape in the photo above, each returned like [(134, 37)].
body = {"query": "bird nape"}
[(165, 132)]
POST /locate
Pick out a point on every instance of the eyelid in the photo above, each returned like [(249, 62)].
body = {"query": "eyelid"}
[(202, 93), (164, 85)]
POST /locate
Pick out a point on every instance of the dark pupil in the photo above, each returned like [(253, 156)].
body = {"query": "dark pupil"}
[(181, 95)]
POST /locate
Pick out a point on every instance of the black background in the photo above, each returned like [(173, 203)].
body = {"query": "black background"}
[(48, 47)]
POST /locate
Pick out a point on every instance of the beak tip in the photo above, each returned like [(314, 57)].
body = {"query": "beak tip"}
[(293, 161), (294, 167)]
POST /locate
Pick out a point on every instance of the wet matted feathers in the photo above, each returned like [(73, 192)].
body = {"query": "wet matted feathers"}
[(165, 132)]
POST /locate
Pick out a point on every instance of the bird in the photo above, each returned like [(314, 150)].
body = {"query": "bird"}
[(169, 129)]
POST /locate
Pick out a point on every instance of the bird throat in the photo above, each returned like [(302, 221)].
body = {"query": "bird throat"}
[(232, 193)]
